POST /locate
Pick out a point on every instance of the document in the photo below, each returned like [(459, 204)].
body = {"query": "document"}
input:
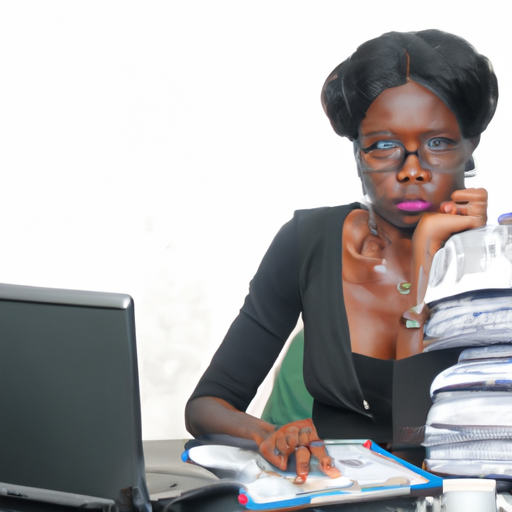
[(367, 472)]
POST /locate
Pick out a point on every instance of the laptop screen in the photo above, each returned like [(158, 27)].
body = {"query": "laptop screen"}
[(69, 395)]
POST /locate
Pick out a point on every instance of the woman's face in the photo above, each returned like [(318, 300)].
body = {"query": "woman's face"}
[(410, 154)]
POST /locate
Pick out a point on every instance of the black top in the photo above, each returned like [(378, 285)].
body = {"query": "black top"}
[(301, 272)]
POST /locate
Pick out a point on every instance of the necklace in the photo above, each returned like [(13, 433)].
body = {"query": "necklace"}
[(404, 288)]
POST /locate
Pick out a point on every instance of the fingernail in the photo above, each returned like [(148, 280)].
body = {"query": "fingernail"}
[(412, 324), (299, 480)]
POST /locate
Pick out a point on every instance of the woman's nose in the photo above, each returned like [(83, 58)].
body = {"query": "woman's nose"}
[(412, 171)]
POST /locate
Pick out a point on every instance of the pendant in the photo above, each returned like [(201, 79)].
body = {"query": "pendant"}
[(404, 288)]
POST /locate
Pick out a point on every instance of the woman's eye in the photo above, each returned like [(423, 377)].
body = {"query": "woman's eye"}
[(381, 145), (384, 144), (440, 143)]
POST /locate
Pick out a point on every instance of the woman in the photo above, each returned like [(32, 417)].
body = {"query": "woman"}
[(414, 105)]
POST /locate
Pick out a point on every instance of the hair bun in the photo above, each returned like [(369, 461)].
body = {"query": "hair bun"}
[(444, 63)]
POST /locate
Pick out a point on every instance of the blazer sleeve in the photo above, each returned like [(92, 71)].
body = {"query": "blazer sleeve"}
[(268, 316)]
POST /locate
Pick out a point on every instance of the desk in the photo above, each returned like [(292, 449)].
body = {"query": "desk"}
[(20, 505), (165, 456), (167, 453), (230, 504)]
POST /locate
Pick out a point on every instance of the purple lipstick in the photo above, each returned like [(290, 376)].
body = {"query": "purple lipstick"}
[(416, 205)]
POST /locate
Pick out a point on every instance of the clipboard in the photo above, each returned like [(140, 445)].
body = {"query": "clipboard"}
[(368, 473)]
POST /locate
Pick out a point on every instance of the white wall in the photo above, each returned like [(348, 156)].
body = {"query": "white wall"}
[(154, 148)]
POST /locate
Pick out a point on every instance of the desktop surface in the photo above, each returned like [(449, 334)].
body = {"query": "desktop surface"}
[(165, 456)]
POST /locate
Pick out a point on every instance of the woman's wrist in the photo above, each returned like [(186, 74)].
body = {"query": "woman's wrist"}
[(262, 432)]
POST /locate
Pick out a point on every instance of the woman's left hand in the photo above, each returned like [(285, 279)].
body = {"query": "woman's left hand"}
[(470, 203), (467, 209)]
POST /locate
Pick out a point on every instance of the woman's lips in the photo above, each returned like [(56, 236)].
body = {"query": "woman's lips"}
[(414, 206)]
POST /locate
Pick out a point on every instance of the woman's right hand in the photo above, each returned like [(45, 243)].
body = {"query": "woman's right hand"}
[(211, 415), (299, 437)]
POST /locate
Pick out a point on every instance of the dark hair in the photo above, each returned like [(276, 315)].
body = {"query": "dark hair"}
[(444, 63)]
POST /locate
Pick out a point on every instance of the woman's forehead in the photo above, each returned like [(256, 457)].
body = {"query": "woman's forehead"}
[(408, 108)]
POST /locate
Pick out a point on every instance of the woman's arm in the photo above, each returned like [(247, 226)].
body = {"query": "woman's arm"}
[(466, 210), (251, 346), (211, 415)]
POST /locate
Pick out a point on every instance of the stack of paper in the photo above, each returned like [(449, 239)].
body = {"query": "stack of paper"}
[(469, 427), (478, 259), (476, 318), (470, 290)]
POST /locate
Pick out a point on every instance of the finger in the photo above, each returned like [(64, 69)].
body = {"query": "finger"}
[(470, 194), (286, 442), (473, 208), (327, 467), (302, 458), (274, 449), (460, 209), (270, 452), (303, 431), (305, 436), (277, 447), (317, 448), (448, 207)]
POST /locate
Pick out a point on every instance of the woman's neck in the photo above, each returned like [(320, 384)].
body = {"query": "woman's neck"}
[(387, 231)]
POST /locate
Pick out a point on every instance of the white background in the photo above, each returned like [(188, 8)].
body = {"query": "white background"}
[(154, 148)]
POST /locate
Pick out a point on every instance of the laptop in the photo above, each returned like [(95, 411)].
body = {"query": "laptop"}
[(70, 419), (70, 428)]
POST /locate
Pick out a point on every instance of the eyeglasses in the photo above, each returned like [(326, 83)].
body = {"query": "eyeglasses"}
[(435, 155)]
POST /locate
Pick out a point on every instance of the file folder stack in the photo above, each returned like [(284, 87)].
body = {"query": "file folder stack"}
[(469, 426), (470, 290), (476, 318), (478, 259), (468, 429)]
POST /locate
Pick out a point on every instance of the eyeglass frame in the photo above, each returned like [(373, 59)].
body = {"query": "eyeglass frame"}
[(469, 168)]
